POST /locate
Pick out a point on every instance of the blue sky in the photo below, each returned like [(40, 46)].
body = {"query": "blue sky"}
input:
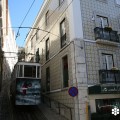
[(18, 10)]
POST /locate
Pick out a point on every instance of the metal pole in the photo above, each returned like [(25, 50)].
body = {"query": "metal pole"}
[(71, 113)]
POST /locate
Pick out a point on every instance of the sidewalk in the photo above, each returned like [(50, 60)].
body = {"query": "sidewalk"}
[(49, 113)]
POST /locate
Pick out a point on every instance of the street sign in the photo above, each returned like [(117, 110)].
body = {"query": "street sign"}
[(73, 91)]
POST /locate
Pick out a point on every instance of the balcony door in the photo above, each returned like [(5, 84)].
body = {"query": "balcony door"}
[(107, 64), (102, 21), (107, 61)]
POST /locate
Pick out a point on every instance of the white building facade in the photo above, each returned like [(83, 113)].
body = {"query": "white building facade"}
[(77, 43), (9, 46)]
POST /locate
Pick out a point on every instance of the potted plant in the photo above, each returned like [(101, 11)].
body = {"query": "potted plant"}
[(114, 68), (108, 28)]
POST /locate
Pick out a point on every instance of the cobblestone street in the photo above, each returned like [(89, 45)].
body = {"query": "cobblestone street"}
[(5, 109), (28, 113), (10, 112)]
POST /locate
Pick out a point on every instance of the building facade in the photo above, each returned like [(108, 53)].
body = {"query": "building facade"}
[(21, 54), (8, 45), (77, 43), (1, 44)]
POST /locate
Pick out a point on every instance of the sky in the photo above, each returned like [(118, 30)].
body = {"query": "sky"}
[(18, 10)]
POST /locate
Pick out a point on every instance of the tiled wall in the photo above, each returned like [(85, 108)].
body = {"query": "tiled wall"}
[(93, 59), (91, 8)]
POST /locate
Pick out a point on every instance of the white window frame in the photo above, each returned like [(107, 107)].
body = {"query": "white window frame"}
[(107, 60), (63, 38), (102, 20)]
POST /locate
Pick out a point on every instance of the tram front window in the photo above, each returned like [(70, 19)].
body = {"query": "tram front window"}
[(20, 70), (29, 71), (38, 69)]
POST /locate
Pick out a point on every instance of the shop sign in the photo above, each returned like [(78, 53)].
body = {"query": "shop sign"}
[(110, 89), (104, 89)]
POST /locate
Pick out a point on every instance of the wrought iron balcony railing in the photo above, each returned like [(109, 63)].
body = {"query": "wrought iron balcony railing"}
[(101, 33), (109, 76)]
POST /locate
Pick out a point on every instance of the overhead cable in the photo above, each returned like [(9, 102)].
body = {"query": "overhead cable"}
[(24, 19)]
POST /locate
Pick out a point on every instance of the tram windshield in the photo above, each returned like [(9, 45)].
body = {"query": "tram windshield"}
[(29, 71)]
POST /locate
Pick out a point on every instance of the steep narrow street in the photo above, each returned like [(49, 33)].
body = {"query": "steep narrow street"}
[(5, 109), (28, 113), (11, 112)]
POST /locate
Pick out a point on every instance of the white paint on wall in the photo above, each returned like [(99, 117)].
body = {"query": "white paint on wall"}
[(75, 20)]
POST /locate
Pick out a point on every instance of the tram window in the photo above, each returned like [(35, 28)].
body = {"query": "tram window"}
[(29, 71), (38, 75), (17, 71), (20, 70)]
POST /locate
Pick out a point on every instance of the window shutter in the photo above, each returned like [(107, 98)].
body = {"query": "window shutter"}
[(104, 64), (109, 62), (98, 22)]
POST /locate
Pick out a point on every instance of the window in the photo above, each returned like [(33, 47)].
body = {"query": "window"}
[(117, 2), (38, 72), (63, 33), (31, 43), (46, 18), (107, 61), (21, 71), (48, 79), (29, 71), (37, 56), (0, 43), (105, 105), (60, 2), (65, 71), (102, 21), (37, 35), (47, 49)]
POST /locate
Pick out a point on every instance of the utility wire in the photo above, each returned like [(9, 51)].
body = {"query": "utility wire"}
[(31, 28), (57, 20), (43, 23), (24, 19), (48, 17), (40, 26), (40, 29)]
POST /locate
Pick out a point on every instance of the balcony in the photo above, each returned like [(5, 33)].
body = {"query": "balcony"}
[(106, 35), (109, 76)]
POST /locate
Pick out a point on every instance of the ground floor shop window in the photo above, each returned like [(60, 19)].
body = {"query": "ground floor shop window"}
[(106, 105)]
